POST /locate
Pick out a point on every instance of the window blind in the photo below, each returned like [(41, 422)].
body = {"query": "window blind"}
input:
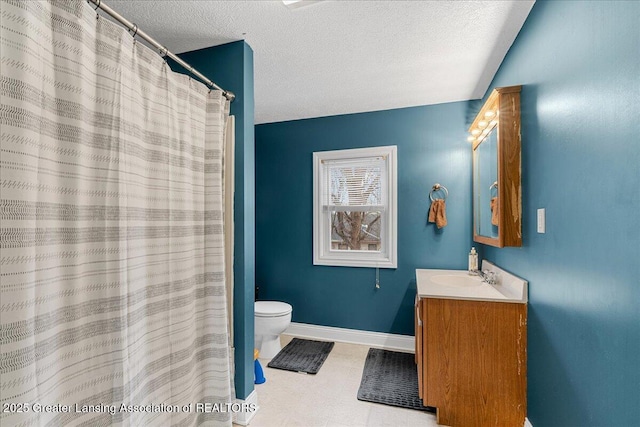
[(355, 185)]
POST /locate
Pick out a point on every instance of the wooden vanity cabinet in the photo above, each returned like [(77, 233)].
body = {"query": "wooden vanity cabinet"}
[(472, 361), (419, 347)]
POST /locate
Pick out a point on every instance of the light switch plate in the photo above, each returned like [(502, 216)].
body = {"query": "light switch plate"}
[(541, 221)]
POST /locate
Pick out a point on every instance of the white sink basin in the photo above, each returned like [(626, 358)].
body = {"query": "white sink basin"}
[(456, 280), (458, 284)]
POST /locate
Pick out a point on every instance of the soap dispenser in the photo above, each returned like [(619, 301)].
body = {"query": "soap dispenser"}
[(473, 261)]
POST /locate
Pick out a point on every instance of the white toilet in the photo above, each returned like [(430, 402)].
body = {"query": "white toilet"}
[(271, 319)]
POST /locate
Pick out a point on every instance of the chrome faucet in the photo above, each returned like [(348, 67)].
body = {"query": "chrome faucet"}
[(489, 277)]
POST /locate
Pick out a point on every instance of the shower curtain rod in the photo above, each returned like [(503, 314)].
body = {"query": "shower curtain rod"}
[(161, 49)]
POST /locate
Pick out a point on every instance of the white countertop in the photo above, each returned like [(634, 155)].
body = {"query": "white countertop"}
[(459, 284)]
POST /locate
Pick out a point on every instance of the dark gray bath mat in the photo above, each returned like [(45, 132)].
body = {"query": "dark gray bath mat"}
[(391, 378), (302, 356)]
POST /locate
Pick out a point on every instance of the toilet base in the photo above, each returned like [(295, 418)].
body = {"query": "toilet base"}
[(269, 347)]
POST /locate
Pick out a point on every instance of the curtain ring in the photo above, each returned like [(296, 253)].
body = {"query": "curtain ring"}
[(134, 29), (164, 53)]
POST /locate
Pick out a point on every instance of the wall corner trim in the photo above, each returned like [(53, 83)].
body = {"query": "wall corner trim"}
[(245, 415), (353, 336)]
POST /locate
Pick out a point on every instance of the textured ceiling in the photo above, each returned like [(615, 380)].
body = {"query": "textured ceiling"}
[(338, 57)]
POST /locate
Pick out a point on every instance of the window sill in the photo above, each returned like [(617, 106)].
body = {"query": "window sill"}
[(341, 262)]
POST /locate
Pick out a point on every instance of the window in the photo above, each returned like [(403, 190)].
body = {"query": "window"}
[(354, 207)]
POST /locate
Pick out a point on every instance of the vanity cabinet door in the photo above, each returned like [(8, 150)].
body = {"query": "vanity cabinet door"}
[(476, 368)]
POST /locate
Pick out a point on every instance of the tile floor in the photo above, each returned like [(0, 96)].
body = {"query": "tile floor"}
[(327, 398)]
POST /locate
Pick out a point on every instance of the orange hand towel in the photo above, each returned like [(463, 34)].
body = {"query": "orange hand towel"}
[(494, 211), (437, 213)]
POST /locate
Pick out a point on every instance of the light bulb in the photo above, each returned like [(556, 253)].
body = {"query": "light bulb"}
[(482, 124), (475, 132), (471, 138), (489, 114)]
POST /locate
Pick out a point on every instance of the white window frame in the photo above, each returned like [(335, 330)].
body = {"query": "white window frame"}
[(322, 252)]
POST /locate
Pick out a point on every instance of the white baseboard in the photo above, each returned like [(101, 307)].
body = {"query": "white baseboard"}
[(527, 423), (244, 417), (353, 336)]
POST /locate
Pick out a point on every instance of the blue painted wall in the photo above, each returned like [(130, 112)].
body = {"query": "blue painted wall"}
[(579, 63), (231, 67), (432, 148)]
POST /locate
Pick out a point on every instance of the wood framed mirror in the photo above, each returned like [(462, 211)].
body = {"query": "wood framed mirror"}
[(497, 190)]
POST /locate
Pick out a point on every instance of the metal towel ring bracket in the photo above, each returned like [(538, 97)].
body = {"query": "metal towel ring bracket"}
[(437, 187)]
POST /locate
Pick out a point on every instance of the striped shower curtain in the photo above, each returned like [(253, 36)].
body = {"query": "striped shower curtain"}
[(113, 306)]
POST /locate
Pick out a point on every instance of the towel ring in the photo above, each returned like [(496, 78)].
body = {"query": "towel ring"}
[(437, 187), (495, 184)]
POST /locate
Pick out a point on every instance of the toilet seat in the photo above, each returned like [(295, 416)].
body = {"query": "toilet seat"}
[(272, 308)]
